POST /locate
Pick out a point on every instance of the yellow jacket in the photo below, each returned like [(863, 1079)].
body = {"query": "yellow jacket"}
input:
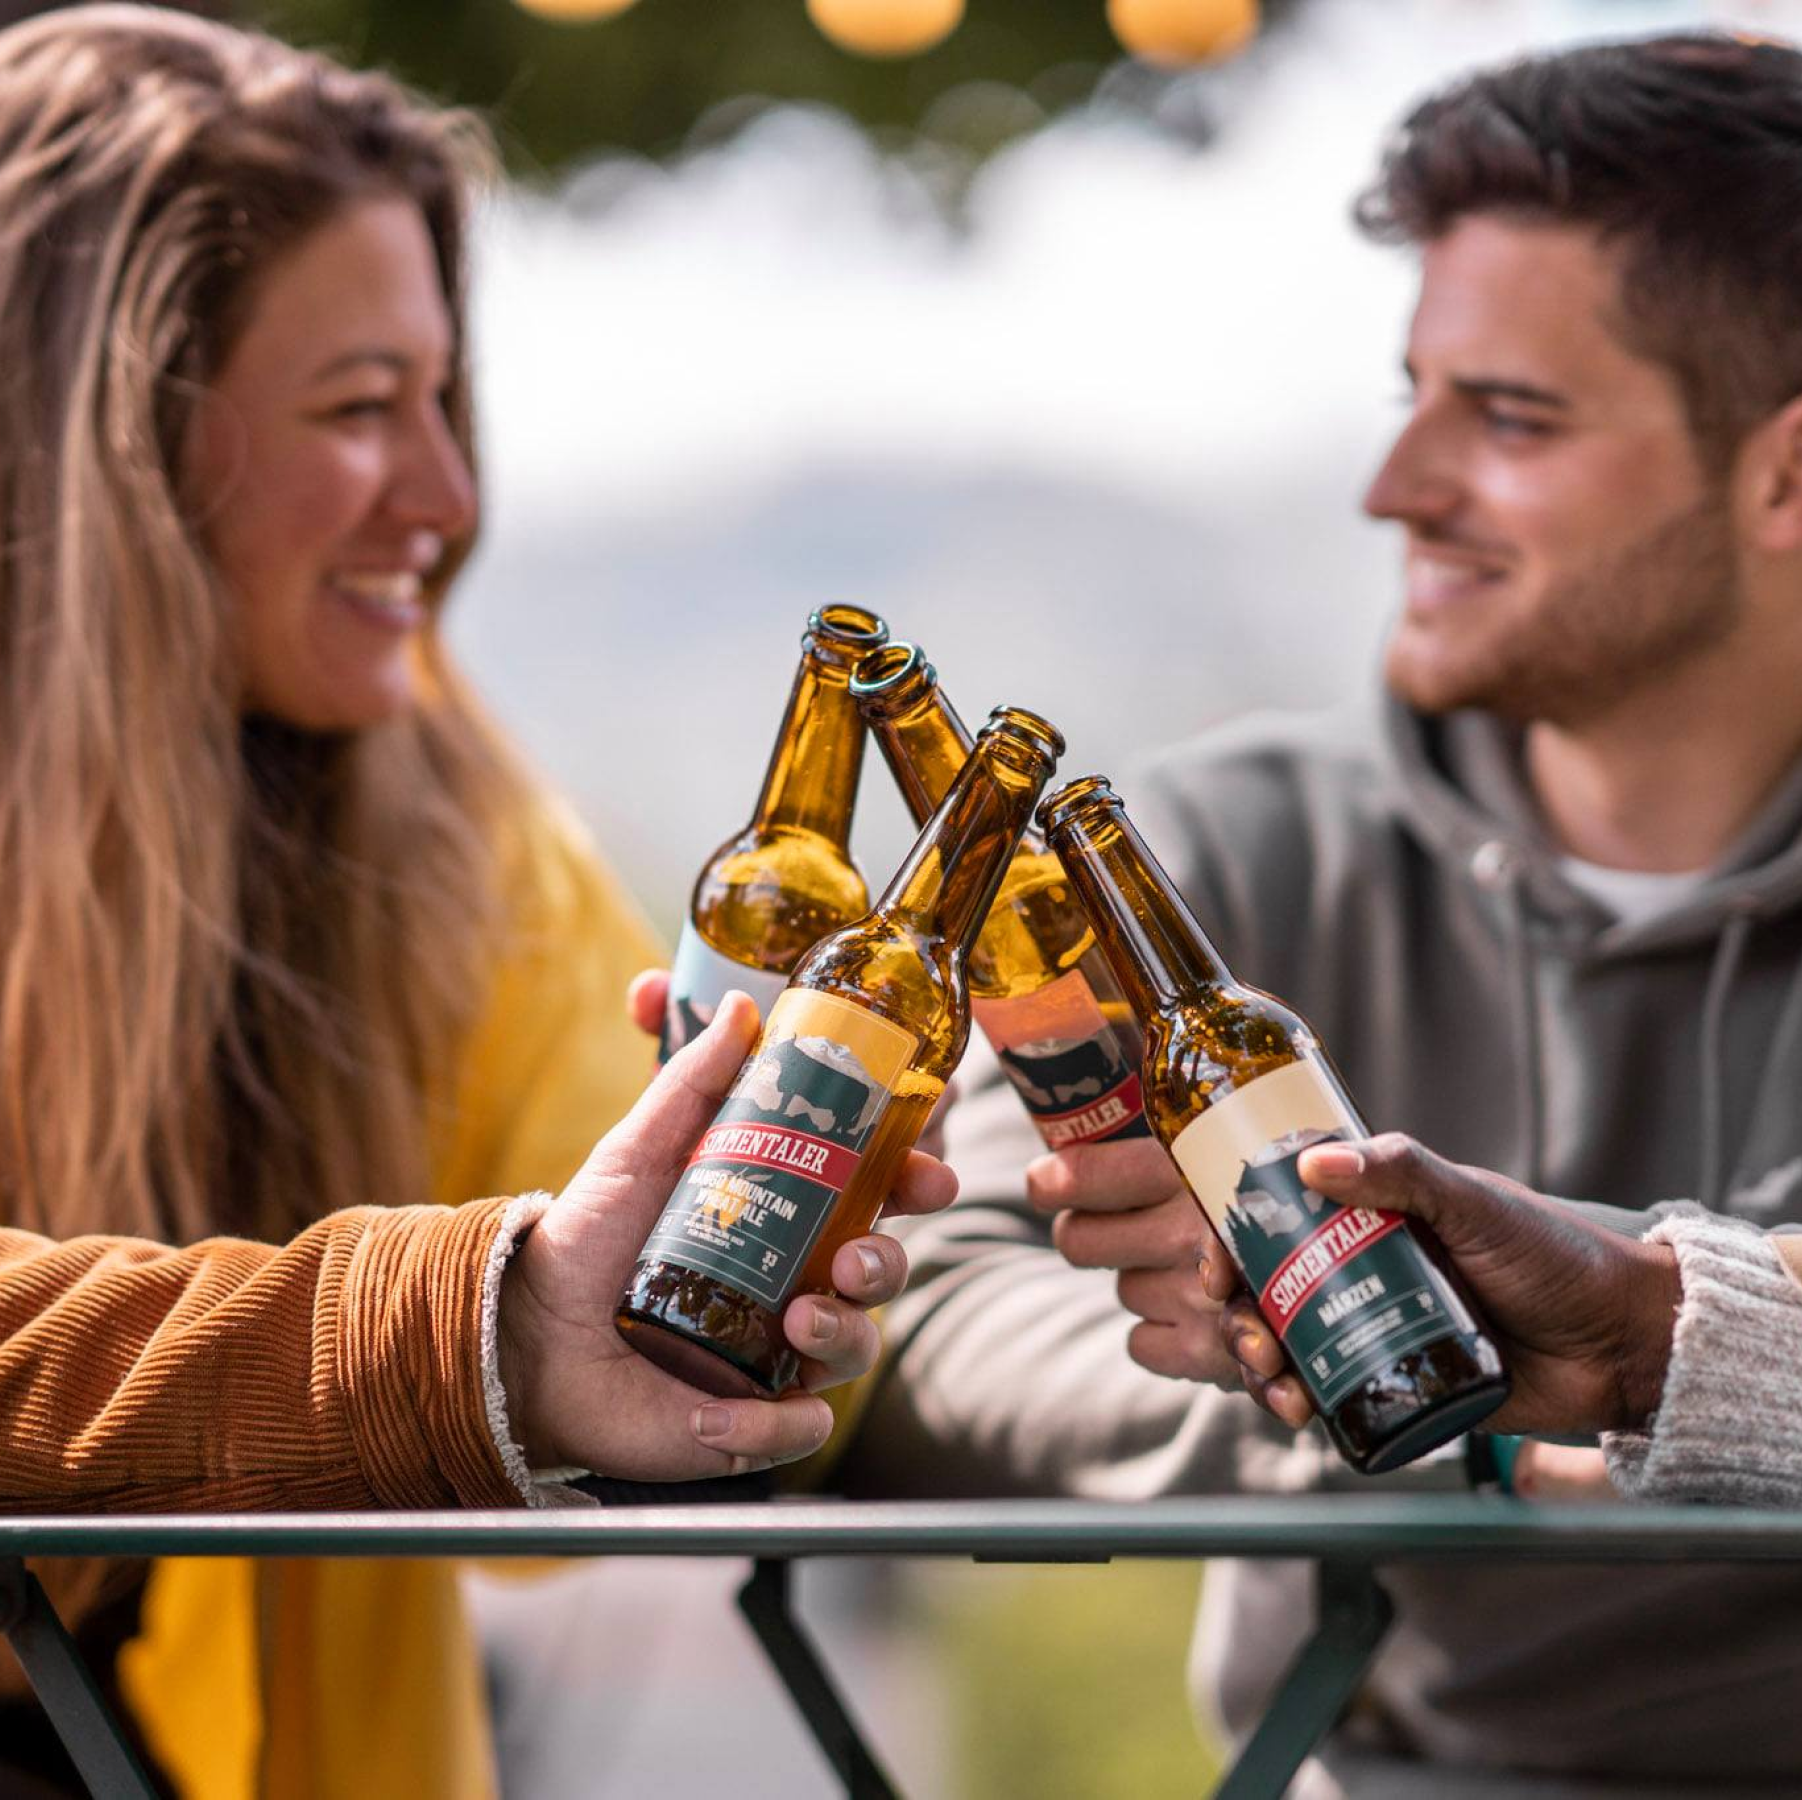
[(330, 1680)]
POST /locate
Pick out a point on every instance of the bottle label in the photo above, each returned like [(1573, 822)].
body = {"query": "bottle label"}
[(769, 1169), (698, 981), (1346, 1289), (1065, 1062)]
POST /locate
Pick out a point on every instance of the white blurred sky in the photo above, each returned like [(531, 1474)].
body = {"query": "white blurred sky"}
[(1100, 451)]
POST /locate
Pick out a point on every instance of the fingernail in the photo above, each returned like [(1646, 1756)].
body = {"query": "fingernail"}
[(1336, 1159), (712, 1421), (823, 1326), (1293, 1404), (870, 1261)]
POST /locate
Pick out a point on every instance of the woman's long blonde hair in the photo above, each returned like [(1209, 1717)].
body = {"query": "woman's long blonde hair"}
[(233, 956)]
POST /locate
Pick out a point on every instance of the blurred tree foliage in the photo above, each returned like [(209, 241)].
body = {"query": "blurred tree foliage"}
[(643, 80), (1067, 1684)]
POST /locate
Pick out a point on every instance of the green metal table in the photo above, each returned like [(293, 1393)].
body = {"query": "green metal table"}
[(1349, 1538)]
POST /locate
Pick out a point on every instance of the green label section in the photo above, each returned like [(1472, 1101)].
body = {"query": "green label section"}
[(1347, 1290), (767, 1173)]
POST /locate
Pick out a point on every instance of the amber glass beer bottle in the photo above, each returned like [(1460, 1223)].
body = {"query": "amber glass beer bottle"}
[(1237, 1086), (773, 890), (1041, 990), (852, 1056)]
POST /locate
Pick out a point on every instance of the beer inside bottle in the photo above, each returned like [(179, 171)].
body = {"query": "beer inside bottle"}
[(854, 1053), (774, 889), (1364, 1303), (1040, 987)]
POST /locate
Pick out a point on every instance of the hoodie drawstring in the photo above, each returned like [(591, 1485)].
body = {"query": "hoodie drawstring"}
[(1730, 950), (1530, 1099), (1496, 867)]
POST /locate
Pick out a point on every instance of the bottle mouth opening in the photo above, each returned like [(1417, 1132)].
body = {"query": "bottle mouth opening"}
[(848, 627), (1034, 727), (1087, 790), (894, 672)]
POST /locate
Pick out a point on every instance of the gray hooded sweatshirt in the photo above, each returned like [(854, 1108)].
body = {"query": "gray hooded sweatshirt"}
[(1391, 882)]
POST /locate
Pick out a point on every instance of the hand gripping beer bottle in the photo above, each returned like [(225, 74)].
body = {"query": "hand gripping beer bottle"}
[(1040, 988), (852, 1056), (1237, 1087), (773, 890)]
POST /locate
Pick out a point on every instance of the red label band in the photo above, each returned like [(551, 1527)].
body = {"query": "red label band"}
[(771, 1147), (1096, 1119), (1350, 1232)]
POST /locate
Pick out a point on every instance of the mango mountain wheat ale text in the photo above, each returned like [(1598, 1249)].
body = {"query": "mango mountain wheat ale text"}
[(1040, 988), (860, 1044), (1237, 1086), (774, 889)]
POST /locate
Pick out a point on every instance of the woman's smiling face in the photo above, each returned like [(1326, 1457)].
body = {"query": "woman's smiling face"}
[(328, 477)]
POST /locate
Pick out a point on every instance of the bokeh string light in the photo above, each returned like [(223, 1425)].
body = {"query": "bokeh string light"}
[(886, 27), (574, 12), (1177, 32), (1168, 32)]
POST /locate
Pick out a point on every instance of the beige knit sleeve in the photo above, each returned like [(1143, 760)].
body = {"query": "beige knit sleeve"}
[(1729, 1427), (341, 1370)]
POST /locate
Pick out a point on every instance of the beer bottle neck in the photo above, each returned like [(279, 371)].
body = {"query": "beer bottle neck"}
[(812, 780), (924, 745), (1157, 950), (951, 877)]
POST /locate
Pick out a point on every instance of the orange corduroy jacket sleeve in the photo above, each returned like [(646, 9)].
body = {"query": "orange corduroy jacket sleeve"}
[(340, 1370)]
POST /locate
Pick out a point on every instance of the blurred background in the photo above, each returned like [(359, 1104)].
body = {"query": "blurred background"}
[(1064, 358)]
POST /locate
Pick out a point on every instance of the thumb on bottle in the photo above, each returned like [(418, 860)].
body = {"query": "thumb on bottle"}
[(1329, 1163), (1392, 1172)]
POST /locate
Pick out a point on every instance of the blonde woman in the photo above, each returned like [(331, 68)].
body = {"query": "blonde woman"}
[(283, 927)]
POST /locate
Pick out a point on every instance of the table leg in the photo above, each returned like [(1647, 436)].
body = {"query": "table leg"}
[(1354, 1614), (764, 1601), (64, 1685)]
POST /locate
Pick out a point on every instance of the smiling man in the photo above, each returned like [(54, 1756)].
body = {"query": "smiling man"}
[(1546, 911)]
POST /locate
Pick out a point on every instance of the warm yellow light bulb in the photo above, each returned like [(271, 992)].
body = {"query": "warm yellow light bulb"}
[(1183, 31), (886, 27), (574, 12)]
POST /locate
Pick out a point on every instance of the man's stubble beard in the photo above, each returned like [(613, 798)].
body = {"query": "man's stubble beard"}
[(1660, 601)]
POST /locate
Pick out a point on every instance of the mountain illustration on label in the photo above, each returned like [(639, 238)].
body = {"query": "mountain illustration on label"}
[(815, 1081), (1078, 1089), (1273, 1209), (1058, 1073)]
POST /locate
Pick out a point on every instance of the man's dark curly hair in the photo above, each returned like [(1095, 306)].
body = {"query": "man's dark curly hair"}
[(1683, 154)]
